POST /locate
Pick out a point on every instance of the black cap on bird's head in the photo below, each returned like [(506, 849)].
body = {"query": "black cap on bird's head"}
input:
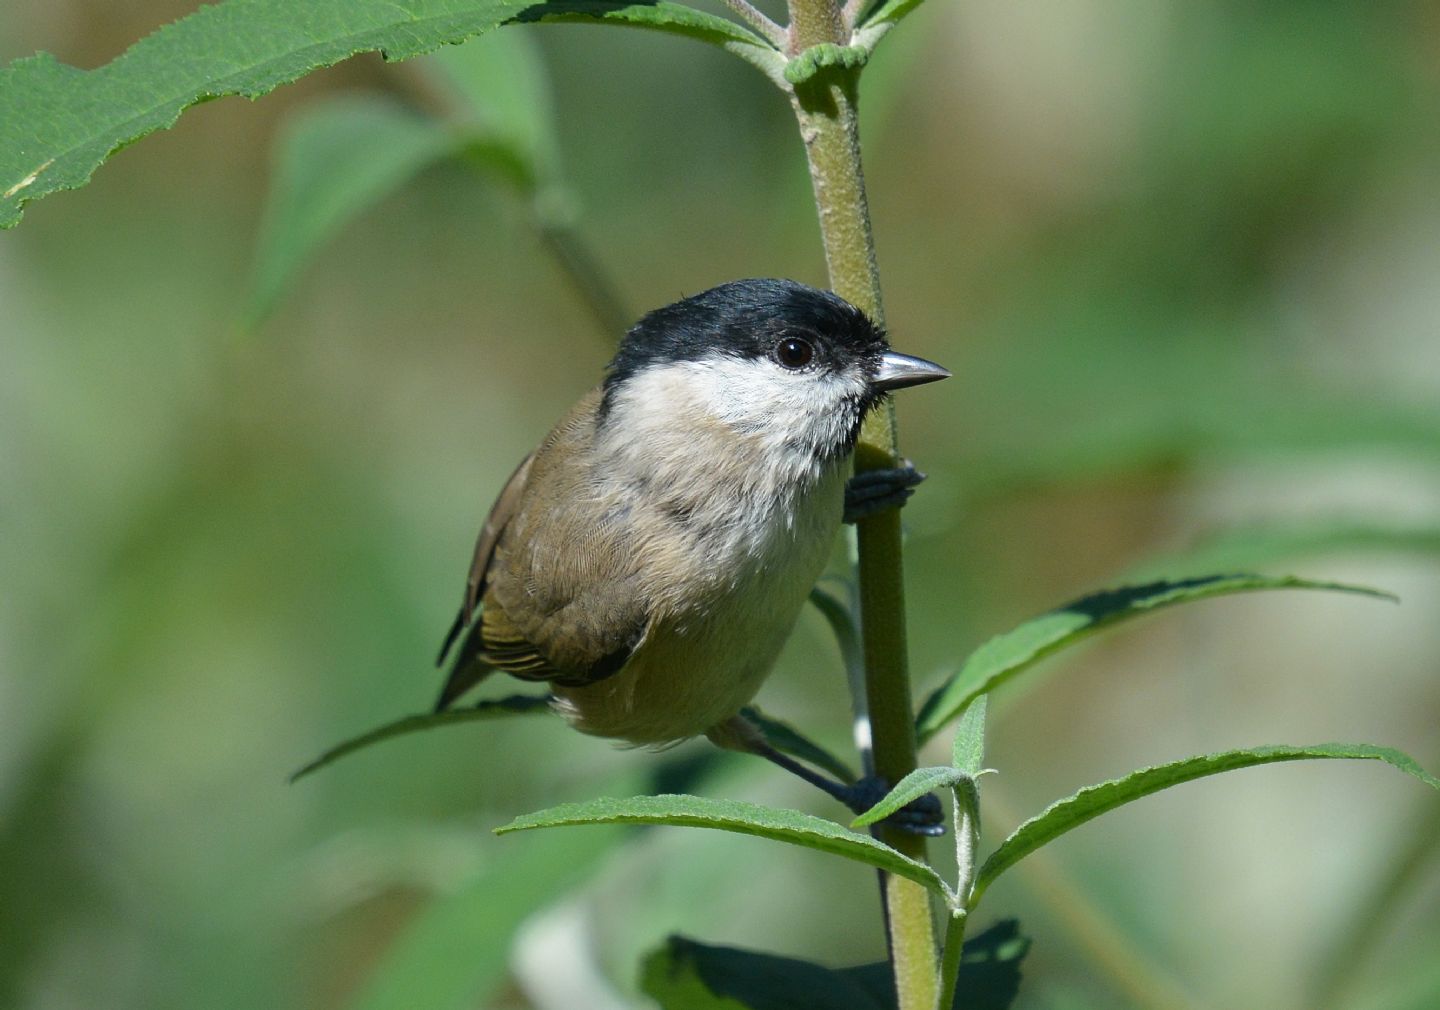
[(800, 327)]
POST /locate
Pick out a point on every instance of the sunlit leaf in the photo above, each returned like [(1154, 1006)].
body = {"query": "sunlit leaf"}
[(1092, 801), (968, 751), (918, 783), (733, 815), (59, 123), (1007, 655)]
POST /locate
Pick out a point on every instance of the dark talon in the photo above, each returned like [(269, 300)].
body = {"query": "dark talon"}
[(879, 490), (921, 816)]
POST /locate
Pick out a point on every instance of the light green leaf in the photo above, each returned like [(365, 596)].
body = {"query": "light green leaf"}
[(455, 952), (1009, 654), (818, 58), (968, 751), (501, 87), (335, 159), (911, 787), (1257, 546), (889, 13), (1092, 801), (58, 123), (733, 815), (483, 711)]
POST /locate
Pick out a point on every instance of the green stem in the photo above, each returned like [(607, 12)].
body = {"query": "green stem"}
[(825, 108), (583, 270), (950, 960)]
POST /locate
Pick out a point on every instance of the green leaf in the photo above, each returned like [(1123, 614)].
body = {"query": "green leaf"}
[(454, 953), (335, 160), (1092, 801), (1009, 654), (58, 123), (824, 56), (482, 711), (733, 815), (968, 751), (1257, 546), (789, 740), (688, 975), (911, 787), (889, 13), (501, 88)]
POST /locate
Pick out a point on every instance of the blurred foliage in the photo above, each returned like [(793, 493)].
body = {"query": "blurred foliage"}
[(1181, 261)]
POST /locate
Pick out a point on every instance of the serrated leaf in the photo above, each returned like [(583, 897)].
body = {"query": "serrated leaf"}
[(58, 123), (1092, 801), (482, 711), (918, 783), (824, 56), (968, 751), (335, 159), (781, 825), (688, 975), (1006, 655)]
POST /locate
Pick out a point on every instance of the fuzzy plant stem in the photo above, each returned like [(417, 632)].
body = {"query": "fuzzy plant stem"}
[(825, 107)]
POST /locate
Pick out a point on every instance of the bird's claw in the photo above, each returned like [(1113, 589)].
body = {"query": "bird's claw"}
[(921, 816), (872, 491)]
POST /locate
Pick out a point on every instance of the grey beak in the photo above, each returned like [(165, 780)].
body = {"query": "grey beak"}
[(897, 371)]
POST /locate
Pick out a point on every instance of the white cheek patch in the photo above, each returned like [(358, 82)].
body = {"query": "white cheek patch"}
[(806, 413)]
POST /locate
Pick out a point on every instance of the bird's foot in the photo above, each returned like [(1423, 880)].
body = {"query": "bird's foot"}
[(922, 816), (873, 491)]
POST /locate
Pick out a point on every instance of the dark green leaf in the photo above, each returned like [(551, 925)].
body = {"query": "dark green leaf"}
[(485, 710), (732, 815), (688, 975), (685, 975), (789, 740), (911, 787), (58, 123), (1092, 801), (1007, 655)]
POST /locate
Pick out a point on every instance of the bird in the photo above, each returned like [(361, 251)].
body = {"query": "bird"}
[(649, 559)]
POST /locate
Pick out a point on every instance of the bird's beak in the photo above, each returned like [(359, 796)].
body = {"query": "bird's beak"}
[(897, 371)]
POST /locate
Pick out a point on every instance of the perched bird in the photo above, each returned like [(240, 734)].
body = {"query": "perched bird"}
[(650, 558)]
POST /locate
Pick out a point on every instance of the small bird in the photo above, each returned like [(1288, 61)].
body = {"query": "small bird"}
[(650, 558)]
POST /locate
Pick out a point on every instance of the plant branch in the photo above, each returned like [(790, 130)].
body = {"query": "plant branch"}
[(825, 108), (773, 33)]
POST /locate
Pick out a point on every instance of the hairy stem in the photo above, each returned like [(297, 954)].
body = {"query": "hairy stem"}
[(825, 108)]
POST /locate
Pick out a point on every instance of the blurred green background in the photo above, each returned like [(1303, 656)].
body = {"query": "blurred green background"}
[(1183, 263)]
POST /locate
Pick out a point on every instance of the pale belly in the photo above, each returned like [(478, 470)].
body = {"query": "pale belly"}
[(698, 669)]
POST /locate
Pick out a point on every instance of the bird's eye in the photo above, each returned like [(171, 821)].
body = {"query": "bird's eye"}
[(793, 352)]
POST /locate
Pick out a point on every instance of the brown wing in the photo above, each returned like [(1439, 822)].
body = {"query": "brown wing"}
[(500, 515), (570, 624)]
